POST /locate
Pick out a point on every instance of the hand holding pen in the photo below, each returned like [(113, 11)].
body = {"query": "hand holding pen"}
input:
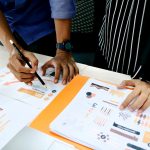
[(17, 65)]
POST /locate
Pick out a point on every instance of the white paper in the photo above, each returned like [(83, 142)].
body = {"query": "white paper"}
[(35, 95), (14, 116), (20, 103), (94, 120)]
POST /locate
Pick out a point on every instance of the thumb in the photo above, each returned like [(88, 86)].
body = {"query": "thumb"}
[(45, 66), (126, 83), (33, 60)]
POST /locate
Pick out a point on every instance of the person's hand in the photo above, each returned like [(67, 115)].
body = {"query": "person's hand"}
[(139, 98), (17, 66), (63, 61)]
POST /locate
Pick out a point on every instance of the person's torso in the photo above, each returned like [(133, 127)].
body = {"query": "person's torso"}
[(124, 33), (30, 18)]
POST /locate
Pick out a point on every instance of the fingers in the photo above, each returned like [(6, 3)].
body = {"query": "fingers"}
[(130, 97), (16, 63), (57, 73), (68, 71), (67, 64), (71, 72), (65, 73), (57, 67), (67, 67), (145, 106), (44, 67), (139, 102), (17, 67), (22, 77), (139, 99), (76, 69), (34, 62), (126, 83)]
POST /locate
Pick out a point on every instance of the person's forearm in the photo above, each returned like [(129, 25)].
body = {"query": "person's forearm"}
[(5, 33), (63, 29)]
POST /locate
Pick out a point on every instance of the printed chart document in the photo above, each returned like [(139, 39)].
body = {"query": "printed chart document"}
[(93, 119), (14, 116), (20, 103), (36, 95)]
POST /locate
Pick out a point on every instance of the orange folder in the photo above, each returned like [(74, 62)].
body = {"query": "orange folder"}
[(57, 106)]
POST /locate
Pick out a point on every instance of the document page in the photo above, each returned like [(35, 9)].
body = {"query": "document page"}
[(36, 95), (21, 103), (14, 116), (93, 119)]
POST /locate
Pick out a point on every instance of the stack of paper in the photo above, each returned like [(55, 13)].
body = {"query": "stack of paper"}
[(93, 119), (20, 103)]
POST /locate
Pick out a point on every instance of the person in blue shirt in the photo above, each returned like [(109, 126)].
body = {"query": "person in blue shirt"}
[(37, 26)]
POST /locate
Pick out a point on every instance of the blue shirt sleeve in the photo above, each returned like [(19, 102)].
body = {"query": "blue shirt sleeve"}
[(62, 9)]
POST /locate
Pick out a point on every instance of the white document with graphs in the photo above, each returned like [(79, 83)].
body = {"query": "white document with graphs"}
[(93, 119), (20, 103), (36, 95)]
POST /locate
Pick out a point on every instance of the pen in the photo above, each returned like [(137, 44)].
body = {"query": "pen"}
[(26, 61)]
